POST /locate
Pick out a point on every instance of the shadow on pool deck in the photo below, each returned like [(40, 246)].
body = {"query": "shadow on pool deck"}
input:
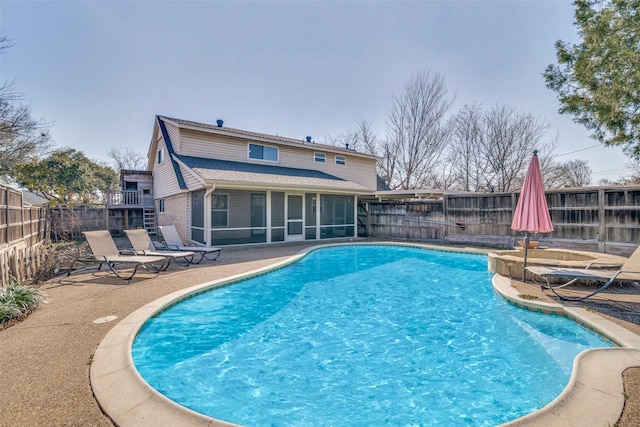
[(45, 359)]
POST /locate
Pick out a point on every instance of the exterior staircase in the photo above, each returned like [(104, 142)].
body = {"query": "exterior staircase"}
[(150, 222)]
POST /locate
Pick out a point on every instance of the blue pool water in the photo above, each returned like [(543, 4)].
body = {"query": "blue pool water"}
[(361, 335)]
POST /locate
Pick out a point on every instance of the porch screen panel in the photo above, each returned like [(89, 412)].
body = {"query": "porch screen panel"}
[(241, 207), (336, 216), (197, 216), (310, 216), (294, 212), (277, 216)]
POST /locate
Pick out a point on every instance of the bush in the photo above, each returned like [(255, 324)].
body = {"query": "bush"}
[(16, 301)]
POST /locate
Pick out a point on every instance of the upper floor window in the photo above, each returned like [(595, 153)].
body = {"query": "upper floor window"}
[(263, 152), (341, 160), (161, 155), (319, 157)]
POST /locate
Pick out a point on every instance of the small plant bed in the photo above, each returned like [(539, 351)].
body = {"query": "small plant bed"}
[(17, 301)]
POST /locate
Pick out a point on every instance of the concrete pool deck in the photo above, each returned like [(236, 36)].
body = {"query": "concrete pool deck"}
[(46, 359)]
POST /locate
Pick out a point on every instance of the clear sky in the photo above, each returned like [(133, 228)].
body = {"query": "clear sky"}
[(101, 70)]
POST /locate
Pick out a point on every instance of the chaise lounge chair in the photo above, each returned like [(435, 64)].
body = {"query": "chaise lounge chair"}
[(106, 252), (174, 242), (629, 272), (142, 245)]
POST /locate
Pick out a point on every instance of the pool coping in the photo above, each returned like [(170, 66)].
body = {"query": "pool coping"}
[(596, 381)]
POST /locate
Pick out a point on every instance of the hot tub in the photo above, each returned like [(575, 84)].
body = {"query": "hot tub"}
[(509, 263)]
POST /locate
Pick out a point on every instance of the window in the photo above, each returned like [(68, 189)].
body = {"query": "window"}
[(160, 155), (220, 210), (263, 152), (161, 205), (319, 157), (341, 160)]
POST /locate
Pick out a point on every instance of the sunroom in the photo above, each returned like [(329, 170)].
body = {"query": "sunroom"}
[(243, 204)]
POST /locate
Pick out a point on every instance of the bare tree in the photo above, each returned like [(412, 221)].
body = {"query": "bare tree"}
[(360, 138), (574, 173), (416, 134), (490, 150), (510, 139), (22, 137), (348, 140), (126, 158), (465, 159)]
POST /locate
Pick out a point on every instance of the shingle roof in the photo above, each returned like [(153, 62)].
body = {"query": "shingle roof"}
[(169, 144), (230, 171)]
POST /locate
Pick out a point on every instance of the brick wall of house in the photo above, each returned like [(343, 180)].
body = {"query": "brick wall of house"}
[(176, 213)]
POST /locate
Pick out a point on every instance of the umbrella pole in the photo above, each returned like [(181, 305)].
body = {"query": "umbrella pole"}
[(526, 250)]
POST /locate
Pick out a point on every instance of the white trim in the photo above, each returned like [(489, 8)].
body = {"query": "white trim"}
[(318, 209), (207, 214), (355, 216), (268, 216)]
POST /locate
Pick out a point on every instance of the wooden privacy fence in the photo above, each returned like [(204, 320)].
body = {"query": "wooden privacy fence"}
[(68, 222), (23, 232), (591, 218)]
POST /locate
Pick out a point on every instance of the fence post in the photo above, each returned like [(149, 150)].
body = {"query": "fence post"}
[(445, 213), (602, 229)]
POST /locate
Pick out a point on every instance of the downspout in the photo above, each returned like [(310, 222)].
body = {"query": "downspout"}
[(210, 187)]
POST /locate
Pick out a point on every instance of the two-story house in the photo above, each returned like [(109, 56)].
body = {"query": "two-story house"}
[(221, 185)]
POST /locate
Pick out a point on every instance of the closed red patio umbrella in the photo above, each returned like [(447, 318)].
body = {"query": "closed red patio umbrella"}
[(532, 213)]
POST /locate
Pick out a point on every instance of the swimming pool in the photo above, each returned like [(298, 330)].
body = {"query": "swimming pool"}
[(361, 335)]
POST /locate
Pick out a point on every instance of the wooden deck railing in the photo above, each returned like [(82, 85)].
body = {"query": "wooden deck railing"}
[(129, 198)]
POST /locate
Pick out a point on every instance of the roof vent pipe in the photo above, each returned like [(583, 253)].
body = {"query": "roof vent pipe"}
[(308, 139), (346, 145), (220, 123)]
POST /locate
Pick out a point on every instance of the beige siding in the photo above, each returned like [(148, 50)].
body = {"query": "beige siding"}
[(165, 182), (192, 181), (357, 169), (174, 135), (205, 145)]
